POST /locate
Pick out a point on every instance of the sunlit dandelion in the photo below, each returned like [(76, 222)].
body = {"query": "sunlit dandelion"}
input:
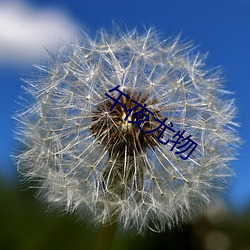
[(86, 158)]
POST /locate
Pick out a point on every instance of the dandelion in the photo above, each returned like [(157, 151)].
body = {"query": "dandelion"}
[(88, 155)]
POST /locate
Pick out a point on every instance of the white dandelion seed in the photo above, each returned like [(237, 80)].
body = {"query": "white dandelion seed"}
[(86, 158)]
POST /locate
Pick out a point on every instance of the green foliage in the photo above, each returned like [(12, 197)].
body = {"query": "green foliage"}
[(25, 226)]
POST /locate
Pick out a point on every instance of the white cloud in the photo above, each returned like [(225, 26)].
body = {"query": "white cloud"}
[(25, 31)]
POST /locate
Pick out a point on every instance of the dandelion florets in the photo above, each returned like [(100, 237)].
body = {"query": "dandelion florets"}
[(88, 156)]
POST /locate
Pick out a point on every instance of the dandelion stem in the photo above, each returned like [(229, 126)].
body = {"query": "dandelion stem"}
[(105, 236)]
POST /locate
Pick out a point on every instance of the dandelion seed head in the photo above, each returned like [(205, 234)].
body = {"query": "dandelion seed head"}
[(86, 158)]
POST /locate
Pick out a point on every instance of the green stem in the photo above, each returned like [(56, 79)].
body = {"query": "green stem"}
[(105, 236)]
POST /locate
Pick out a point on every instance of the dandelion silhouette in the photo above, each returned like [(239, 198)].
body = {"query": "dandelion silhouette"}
[(87, 158)]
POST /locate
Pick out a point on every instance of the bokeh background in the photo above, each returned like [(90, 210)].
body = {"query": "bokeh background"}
[(29, 28)]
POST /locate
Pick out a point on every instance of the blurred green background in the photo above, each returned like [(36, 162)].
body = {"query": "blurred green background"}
[(27, 225)]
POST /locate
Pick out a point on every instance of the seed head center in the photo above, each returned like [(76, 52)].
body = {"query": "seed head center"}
[(124, 124)]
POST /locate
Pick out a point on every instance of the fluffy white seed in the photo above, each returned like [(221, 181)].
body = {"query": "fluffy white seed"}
[(67, 133)]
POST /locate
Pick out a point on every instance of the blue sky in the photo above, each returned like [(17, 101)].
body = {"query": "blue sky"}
[(221, 27)]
